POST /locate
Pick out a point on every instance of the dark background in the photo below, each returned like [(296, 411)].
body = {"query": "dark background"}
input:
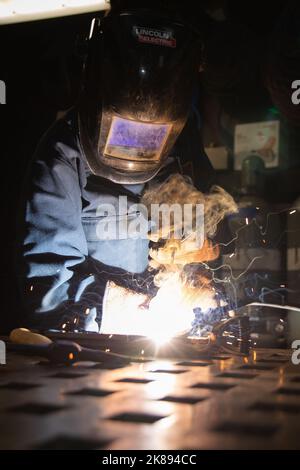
[(41, 64)]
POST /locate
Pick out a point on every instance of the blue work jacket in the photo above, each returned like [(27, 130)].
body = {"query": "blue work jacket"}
[(60, 256)]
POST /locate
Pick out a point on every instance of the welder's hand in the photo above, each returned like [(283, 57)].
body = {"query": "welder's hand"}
[(137, 282), (168, 315), (140, 283), (123, 312), (170, 311)]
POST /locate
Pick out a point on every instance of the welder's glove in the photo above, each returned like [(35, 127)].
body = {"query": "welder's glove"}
[(125, 296), (123, 312), (171, 311), (140, 283), (85, 313)]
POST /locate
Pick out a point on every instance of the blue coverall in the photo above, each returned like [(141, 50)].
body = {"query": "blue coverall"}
[(59, 270)]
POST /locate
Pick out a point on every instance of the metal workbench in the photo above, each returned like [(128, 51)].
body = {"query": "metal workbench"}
[(217, 402)]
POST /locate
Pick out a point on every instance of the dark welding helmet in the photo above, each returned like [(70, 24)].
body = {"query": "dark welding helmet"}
[(138, 84)]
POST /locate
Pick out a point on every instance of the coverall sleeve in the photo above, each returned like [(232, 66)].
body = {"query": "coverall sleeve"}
[(56, 275)]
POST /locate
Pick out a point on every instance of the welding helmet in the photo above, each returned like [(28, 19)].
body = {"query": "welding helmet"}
[(137, 91)]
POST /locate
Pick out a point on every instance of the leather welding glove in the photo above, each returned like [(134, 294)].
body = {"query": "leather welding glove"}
[(170, 312), (136, 288), (84, 312), (123, 312)]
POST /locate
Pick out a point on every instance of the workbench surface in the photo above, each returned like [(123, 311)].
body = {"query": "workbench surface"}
[(218, 402)]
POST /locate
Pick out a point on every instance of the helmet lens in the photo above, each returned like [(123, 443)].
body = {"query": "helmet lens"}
[(136, 141)]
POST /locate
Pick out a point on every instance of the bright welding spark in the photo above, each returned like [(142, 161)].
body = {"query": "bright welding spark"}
[(235, 278), (166, 314), (231, 279), (278, 213), (263, 232)]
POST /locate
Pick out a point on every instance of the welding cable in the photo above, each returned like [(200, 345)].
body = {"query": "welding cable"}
[(277, 306)]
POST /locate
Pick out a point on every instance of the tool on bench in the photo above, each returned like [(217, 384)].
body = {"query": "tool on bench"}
[(26, 342)]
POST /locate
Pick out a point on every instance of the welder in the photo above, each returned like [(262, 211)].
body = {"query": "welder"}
[(135, 123)]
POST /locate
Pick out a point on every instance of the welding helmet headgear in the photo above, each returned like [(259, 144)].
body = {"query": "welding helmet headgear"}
[(138, 84)]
